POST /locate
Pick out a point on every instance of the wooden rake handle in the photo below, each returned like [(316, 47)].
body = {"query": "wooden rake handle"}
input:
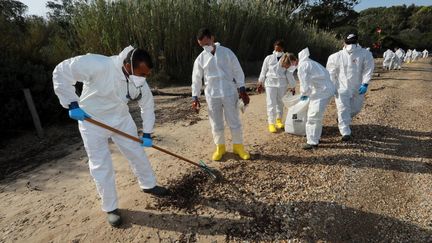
[(112, 129)]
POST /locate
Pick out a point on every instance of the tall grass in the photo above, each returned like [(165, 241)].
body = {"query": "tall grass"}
[(167, 28)]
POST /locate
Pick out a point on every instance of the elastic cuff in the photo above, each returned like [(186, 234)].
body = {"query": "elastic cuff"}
[(242, 89), (194, 97), (365, 85), (73, 105), (146, 135)]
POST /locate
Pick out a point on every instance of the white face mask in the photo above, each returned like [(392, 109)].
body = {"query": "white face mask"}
[(292, 68), (208, 48), (350, 48), (137, 80), (279, 53)]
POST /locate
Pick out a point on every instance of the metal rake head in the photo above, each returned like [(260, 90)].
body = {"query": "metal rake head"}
[(215, 174)]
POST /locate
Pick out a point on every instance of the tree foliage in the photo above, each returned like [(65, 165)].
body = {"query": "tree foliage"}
[(32, 46), (166, 28), (405, 26), (331, 14)]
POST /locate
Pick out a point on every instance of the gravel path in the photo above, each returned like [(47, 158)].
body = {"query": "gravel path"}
[(376, 188)]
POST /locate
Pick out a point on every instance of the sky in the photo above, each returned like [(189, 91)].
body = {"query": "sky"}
[(387, 3), (37, 7)]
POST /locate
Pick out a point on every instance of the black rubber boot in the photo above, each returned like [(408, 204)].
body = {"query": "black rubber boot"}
[(114, 218), (346, 138), (310, 146), (157, 191)]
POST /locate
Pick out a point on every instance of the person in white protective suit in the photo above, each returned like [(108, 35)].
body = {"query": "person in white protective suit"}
[(108, 84), (419, 54), (388, 58), (408, 55), (395, 64), (350, 69), (224, 83), (315, 85), (276, 80), (425, 53), (400, 56), (414, 55)]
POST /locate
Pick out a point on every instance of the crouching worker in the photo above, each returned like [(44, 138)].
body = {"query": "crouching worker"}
[(108, 84), (315, 85), (224, 83)]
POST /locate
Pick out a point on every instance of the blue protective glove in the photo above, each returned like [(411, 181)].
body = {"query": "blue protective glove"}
[(76, 113), (363, 88), (146, 140), (304, 97)]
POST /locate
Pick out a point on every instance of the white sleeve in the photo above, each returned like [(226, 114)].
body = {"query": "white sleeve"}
[(70, 71), (333, 68), (146, 103), (368, 68), (304, 78), (197, 76), (237, 70), (291, 80), (264, 70)]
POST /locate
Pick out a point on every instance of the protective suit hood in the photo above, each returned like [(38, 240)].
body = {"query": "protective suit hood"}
[(123, 54), (118, 60), (304, 55)]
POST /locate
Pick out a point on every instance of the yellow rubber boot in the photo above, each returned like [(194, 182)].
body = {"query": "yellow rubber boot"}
[(279, 123), (239, 149), (272, 128), (220, 151)]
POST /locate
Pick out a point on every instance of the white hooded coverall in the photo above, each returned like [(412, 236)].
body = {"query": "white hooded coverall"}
[(388, 59), (276, 80), (400, 56), (348, 72), (315, 83), (415, 55), (222, 76), (425, 53), (408, 56), (394, 62), (104, 99)]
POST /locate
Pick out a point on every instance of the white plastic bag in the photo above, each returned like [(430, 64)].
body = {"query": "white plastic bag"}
[(289, 99), (241, 106), (295, 122)]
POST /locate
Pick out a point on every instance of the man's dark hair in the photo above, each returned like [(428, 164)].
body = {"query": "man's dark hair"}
[(280, 43), (204, 32), (139, 56), (351, 39)]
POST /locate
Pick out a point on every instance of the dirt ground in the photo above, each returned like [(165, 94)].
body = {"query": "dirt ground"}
[(376, 188)]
